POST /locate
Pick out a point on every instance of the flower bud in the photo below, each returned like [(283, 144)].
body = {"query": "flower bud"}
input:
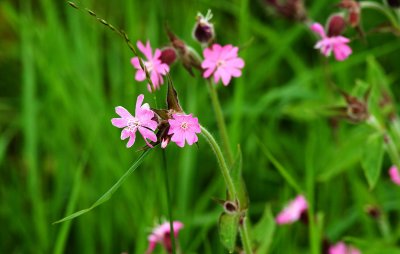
[(336, 25), (203, 31), (290, 9), (190, 59), (394, 3), (168, 55), (354, 9)]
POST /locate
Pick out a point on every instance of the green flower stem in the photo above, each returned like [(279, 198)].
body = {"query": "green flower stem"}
[(221, 162), (383, 9), (244, 231), (244, 234), (221, 123), (171, 221)]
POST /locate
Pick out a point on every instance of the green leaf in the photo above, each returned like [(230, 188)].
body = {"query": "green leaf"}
[(228, 229), (371, 160), (264, 230), (240, 186), (106, 196)]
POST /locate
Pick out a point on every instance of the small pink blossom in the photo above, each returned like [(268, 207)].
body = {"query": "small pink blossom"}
[(394, 175), (222, 62), (337, 44), (342, 248), (184, 127), (292, 212), (153, 65), (162, 235), (142, 121)]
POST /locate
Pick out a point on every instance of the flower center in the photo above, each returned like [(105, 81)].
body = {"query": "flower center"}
[(221, 63), (133, 123), (149, 66), (184, 125)]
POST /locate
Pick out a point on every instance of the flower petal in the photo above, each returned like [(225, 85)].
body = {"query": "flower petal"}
[(122, 112), (119, 122)]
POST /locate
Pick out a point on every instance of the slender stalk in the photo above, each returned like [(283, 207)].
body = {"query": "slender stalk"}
[(383, 9), (221, 162), (220, 122), (171, 221), (244, 234)]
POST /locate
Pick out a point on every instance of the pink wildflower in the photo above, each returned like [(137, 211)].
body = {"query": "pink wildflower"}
[(342, 248), (394, 175), (292, 212), (142, 121), (184, 127), (162, 235), (153, 65), (337, 44), (222, 62)]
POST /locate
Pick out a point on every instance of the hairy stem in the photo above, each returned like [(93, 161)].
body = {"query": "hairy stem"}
[(220, 122), (244, 234), (221, 162)]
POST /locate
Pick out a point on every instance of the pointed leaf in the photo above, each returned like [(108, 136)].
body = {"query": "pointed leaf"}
[(172, 96), (228, 228), (240, 186), (371, 160), (263, 231)]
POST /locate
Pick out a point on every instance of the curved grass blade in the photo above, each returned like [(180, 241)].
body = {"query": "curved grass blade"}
[(284, 173), (106, 196)]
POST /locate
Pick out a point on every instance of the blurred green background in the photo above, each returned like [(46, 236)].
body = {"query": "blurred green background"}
[(62, 73)]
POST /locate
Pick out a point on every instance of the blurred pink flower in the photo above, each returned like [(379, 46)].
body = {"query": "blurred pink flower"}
[(142, 121), (292, 212), (162, 235), (153, 65), (222, 62), (341, 248), (184, 127), (394, 175), (337, 44)]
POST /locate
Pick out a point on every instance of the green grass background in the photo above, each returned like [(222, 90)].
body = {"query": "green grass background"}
[(62, 74)]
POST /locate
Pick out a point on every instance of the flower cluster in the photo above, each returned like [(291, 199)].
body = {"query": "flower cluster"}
[(177, 127)]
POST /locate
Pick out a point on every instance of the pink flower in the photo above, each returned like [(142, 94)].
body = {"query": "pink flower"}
[(337, 44), (162, 235), (394, 175), (184, 127), (142, 121), (292, 212), (153, 65), (341, 248), (222, 62)]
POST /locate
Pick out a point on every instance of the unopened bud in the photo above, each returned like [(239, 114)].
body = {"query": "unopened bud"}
[(354, 9), (336, 25), (168, 55), (290, 9), (203, 31), (394, 3)]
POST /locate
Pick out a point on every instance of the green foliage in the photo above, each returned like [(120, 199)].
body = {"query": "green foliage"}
[(62, 74)]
